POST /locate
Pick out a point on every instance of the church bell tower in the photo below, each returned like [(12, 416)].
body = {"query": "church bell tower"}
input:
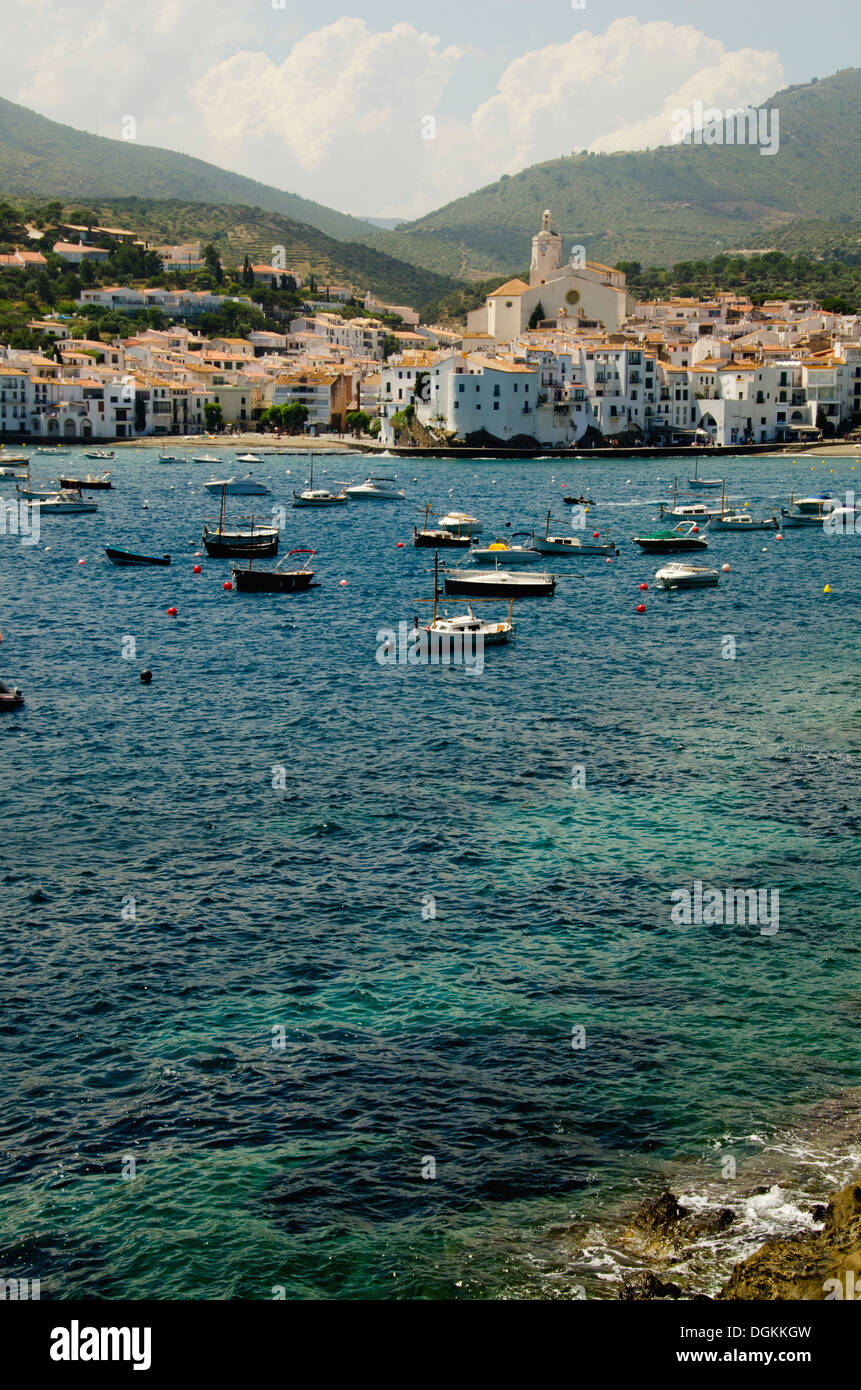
[(546, 251)]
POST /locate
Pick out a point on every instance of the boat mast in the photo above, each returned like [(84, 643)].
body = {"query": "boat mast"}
[(435, 580), (223, 501)]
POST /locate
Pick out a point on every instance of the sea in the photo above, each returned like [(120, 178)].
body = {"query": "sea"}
[(323, 977)]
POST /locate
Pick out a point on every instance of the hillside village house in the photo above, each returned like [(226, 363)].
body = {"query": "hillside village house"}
[(327, 395)]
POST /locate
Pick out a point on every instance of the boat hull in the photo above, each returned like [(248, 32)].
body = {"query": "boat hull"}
[(576, 549), (440, 540), (499, 584), (331, 501), (272, 581), (127, 557), (670, 547), (682, 577), (715, 524), (251, 548), (77, 484)]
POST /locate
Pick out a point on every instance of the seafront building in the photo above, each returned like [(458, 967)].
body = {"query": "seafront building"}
[(569, 358)]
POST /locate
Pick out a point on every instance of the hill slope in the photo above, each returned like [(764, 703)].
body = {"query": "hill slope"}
[(676, 202), (40, 158)]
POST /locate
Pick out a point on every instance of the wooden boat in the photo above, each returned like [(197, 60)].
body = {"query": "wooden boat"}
[(668, 542), (497, 583), (221, 543), (571, 545), (690, 511), (808, 511), (275, 581), (682, 576), (436, 538), (128, 557), (91, 482), (12, 458), (740, 521)]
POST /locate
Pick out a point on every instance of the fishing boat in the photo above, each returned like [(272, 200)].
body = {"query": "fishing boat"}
[(91, 482), (740, 521), (66, 501), (808, 511), (682, 576), (222, 543), (668, 542), (277, 580), (377, 490), (458, 522), (571, 545), (508, 554), (444, 632), (498, 583), (238, 487), (99, 454), (697, 482), (10, 698), (318, 496), (128, 557), (690, 511)]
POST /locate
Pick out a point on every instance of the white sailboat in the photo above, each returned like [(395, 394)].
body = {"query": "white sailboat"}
[(318, 496)]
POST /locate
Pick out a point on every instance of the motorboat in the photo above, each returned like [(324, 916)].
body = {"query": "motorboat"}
[(377, 489), (13, 458), (128, 557), (54, 449), (318, 496), (572, 546), (682, 576), (458, 522), (742, 521), (248, 458), (205, 458), (238, 487), (689, 511), (174, 458), (277, 580), (99, 454), (11, 472), (91, 482), (501, 551), (10, 698), (497, 583), (65, 501), (808, 511), (668, 542)]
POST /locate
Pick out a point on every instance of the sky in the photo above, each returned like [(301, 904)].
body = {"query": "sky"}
[(391, 108)]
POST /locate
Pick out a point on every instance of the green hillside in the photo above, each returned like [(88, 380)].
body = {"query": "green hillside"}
[(40, 158), (669, 204)]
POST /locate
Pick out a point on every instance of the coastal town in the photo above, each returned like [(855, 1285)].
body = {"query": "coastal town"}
[(570, 358)]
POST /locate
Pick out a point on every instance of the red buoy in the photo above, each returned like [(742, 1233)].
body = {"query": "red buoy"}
[(641, 608), (696, 530), (400, 545), (197, 570), (171, 612), (227, 584), (343, 584), (644, 586), (595, 535)]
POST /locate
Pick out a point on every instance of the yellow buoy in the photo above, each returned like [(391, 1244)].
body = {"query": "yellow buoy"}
[(827, 589)]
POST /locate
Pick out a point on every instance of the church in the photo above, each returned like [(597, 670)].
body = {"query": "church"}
[(578, 290)]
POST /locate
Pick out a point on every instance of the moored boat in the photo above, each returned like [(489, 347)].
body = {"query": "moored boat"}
[(497, 583), (808, 511), (10, 697), (318, 496), (277, 580), (128, 557), (500, 552), (65, 501), (377, 490), (91, 482), (682, 576), (697, 482), (238, 487), (460, 523), (99, 454), (572, 546), (668, 541)]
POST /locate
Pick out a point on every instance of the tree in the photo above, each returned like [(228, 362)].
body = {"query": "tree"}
[(140, 414), (357, 422), (537, 315), (247, 272), (390, 345), (212, 416), (212, 261), (293, 417)]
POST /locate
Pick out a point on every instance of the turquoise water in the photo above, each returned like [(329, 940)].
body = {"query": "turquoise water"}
[(407, 1036)]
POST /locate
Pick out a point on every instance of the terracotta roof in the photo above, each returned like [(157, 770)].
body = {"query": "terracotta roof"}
[(511, 289)]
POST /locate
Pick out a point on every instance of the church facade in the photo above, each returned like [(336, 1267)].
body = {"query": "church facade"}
[(578, 290)]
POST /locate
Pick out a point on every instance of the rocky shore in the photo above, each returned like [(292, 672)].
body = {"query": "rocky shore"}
[(822, 1263)]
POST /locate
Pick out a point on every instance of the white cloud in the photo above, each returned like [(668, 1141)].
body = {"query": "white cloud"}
[(336, 114)]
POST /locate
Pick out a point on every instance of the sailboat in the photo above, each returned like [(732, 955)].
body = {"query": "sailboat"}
[(697, 482), (444, 631), (571, 545), (740, 521), (222, 543), (690, 511), (318, 497)]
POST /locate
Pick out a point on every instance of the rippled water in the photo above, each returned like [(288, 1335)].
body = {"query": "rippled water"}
[(408, 1037)]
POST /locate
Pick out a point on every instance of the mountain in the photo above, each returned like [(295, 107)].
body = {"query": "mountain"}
[(40, 158), (670, 204)]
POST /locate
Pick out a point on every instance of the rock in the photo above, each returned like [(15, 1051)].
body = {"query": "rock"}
[(648, 1285), (799, 1268), (664, 1223)]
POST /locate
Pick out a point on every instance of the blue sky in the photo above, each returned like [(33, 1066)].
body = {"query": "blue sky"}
[(393, 107)]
